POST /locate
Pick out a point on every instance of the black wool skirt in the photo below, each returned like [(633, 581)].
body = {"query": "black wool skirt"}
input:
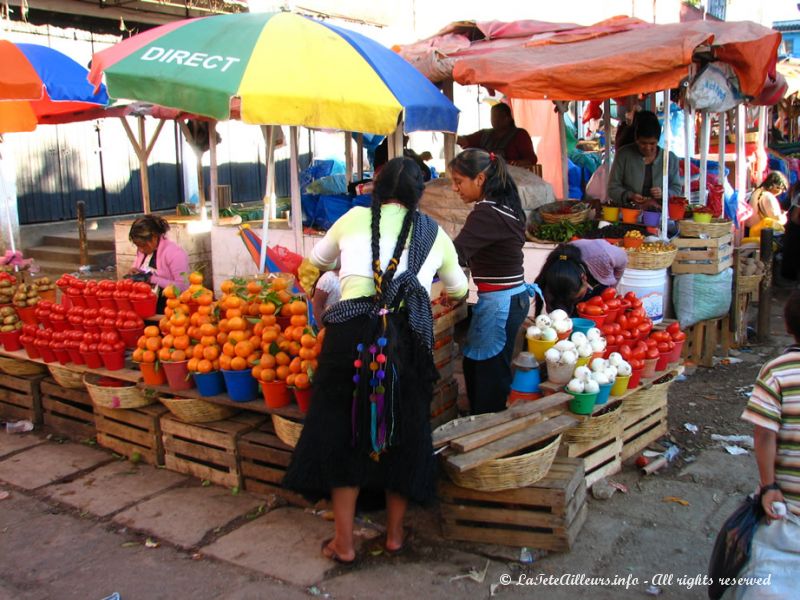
[(326, 457)]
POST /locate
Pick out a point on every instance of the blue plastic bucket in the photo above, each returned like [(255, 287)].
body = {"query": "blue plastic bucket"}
[(242, 386), (210, 384), (604, 393), (582, 325)]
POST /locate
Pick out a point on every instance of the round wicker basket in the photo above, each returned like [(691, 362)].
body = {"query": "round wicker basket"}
[(67, 378), (126, 396), (593, 428), (193, 410), (644, 399), (287, 431), (650, 260), (12, 366), (579, 212), (716, 229), (747, 284), (507, 473)]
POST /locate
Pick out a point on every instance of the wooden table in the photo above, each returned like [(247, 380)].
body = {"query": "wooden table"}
[(129, 373)]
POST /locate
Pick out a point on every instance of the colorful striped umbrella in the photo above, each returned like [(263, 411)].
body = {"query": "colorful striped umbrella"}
[(37, 83), (286, 69)]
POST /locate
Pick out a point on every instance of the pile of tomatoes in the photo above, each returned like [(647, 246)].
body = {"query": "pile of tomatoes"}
[(124, 294), (72, 346)]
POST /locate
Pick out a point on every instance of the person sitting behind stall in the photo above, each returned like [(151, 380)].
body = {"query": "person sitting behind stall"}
[(636, 173), (764, 199), (327, 292), (576, 271), (505, 139), (161, 261)]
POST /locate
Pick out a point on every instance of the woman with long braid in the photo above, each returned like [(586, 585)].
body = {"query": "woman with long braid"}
[(368, 424), (491, 244)]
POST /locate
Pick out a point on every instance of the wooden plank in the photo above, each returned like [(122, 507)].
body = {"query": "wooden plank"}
[(505, 537), (146, 417), (75, 411), (611, 468), (16, 413), (265, 489), (643, 439), (684, 242), (222, 457), (219, 433), (21, 383), (444, 436), (75, 430), (504, 516), (262, 473), (601, 457), (481, 438), (125, 448), (145, 439), (51, 388), (16, 399), (517, 441), (227, 479), (578, 500)]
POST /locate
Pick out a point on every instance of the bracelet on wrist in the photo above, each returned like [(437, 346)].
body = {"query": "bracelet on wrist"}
[(768, 487)]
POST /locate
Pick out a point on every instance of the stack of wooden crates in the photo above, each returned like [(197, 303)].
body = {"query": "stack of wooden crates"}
[(445, 356)]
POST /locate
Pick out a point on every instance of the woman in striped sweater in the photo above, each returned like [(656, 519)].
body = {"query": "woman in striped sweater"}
[(491, 244)]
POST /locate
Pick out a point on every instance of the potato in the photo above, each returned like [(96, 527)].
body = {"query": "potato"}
[(7, 328)]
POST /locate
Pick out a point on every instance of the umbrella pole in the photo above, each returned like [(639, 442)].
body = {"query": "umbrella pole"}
[(360, 158), (741, 180), (722, 140), (688, 133), (705, 135), (665, 166), (607, 149), (562, 134), (348, 157), (269, 201), (297, 215), (212, 138)]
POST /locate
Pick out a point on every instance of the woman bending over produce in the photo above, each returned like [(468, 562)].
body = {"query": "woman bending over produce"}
[(577, 271)]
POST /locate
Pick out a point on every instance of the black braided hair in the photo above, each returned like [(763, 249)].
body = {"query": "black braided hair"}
[(560, 278), (499, 186), (400, 180)]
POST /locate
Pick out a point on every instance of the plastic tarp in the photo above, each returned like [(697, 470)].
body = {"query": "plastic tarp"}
[(620, 58)]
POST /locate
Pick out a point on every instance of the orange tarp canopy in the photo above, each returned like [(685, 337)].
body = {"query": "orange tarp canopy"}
[(620, 57)]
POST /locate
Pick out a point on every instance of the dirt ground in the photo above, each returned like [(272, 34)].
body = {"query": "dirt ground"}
[(663, 526)]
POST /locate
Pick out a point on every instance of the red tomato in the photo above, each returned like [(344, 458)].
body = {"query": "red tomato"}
[(663, 347), (639, 354), (674, 327), (622, 321), (607, 330), (595, 301), (581, 306), (637, 363), (141, 287), (109, 337), (104, 347), (126, 285), (634, 321), (614, 304), (652, 353), (679, 337), (593, 310), (129, 325), (118, 346), (617, 328), (90, 313), (644, 328), (609, 293), (626, 352), (651, 343)]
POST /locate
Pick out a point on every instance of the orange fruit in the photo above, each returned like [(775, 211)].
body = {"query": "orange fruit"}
[(151, 331), (298, 307), (137, 355), (294, 366), (255, 340), (168, 341), (259, 328), (225, 362), (170, 291), (233, 302), (252, 309), (228, 349), (204, 366), (286, 310), (238, 336), (196, 351), (192, 364), (168, 312), (208, 329), (267, 308), (205, 298), (301, 381), (233, 312), (297, 334), (305, 353), (178, 355), (177, 331), (268, 375), (237, 324), (282, 372), (253, 287), (208, 340), (294, 348), (268, 361), (290, 379), (252, 360), (222, 337), (269, 335), (243, 349), (308, 340), (148, 356), (227, 286), (299, 321), (210, 352), (164, 354), (279, 283), (181, 342), (196, 278), (153, 343), (305, 365), (238, 363), (215, 365), (269, 320), (281, 358), (223, 325), (284, 297), (141, 342)]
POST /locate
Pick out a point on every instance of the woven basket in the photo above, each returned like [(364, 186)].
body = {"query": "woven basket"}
[(716, 229), (12, 366), (67, 378), (507, 473), (549, 215), (748, 284), (287, 431), (128, 396), (651, 260), (594, 428), (645, 399), (193, 410)]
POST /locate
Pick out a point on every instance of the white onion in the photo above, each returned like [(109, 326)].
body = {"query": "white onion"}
[(543, 321), (598, 364), (585, 350), (575, 385), (600, 377), (624, 369), (552, 355), (579, 338), (549, 334), (569, 357), (598, 345), (564, 345), (611, 373), (583, 372), (615, 359), (533, 332), (558, 315), (562, 326), (591, 387), (594, 333)]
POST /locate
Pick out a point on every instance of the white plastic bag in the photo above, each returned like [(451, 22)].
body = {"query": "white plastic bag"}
[(715, 89), (699, 297), (598, 185)]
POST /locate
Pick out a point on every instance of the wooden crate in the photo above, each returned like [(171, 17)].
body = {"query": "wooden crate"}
[(444, 321), (601, 457), (207, 451), (264, 459), (445, 416), (642, 428), (20, 398), (703, 338), (445, 396), (709, 256), (67, 412), (546, 515), (132, 431)]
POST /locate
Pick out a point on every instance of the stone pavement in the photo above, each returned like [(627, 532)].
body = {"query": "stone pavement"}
[(79, 523)]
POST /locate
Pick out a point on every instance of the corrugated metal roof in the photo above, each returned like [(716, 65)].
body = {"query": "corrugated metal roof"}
[(787, 25)]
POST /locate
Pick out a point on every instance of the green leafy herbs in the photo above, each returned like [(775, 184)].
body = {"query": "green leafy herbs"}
[(563, 231)]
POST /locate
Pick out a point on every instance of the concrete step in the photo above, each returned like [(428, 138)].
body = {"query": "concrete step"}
[(55, 269), (69, 255), (105, 243)]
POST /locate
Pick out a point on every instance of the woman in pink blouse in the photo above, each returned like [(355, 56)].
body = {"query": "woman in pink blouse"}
[(162, 262)]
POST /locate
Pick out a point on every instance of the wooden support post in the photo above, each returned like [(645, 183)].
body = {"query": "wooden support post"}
[(705, 136), (360, 157), (765, 287), (741, 159), (212, 142), (608, 144), (449, 138), (83, 245), (294, 178), (665, 167), (723, 137), (142, 149), (562, 134), (348, 157)]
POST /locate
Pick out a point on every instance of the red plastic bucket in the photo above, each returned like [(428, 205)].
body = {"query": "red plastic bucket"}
[(123, 304), (649, 367), (611, 316), (46, 322), (113, 361), (145, 308), (178, 375), (105, 329), (47, 354), (77, 300), (27, 315), (303, 398), (60, 326), (663, 360), (131, 336), (62, 356), (598, 320), (107, 303), (10, 340), (92, 301), (636, 378), (675, 356), (32, 351), (92, 360), (153, 373), (276, 394), (75, 356)]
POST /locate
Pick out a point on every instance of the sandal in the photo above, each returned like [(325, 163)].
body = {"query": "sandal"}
[(331, 554)]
